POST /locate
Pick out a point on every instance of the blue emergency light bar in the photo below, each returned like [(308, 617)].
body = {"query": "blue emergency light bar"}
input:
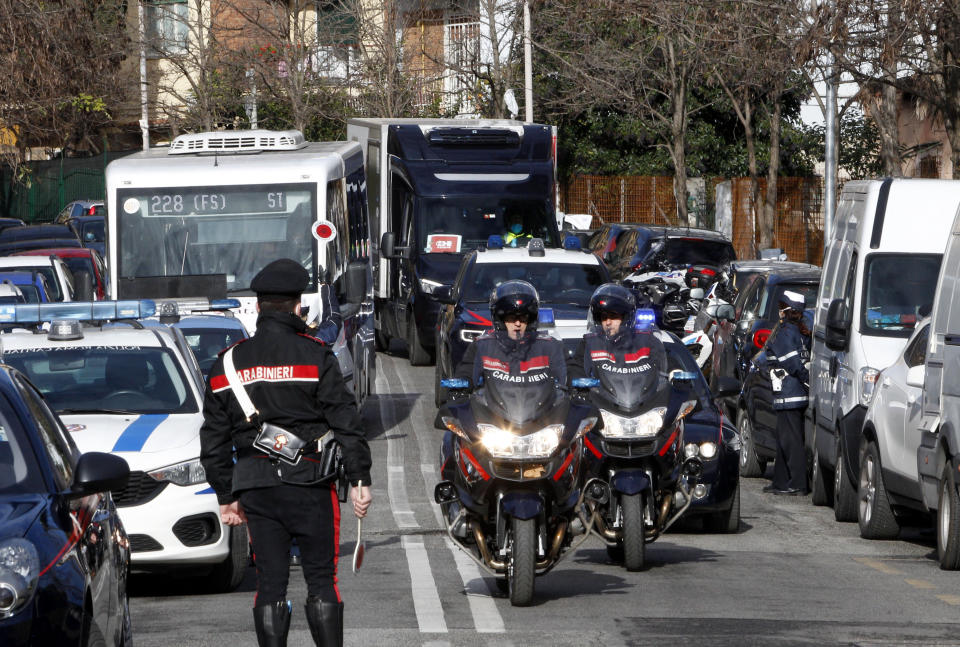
[(545, 317), (34, 313), (645, 318), (495, 241), (183, 307)]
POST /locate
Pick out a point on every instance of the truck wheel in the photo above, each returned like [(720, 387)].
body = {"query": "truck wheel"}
[(522, 568), (821, 493), (634, 545), (419, 356), (750, 464), (728, 521), (873, 512), (844, 496), (948, 521)]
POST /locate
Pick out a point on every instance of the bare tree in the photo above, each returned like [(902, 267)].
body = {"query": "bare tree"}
[(49, 94), (383, 87)]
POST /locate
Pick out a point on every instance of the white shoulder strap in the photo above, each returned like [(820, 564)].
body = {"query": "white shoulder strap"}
[(237, 387)]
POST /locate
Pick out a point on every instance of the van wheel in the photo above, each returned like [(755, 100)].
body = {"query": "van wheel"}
[(418, 355), (873, 512), (750, 463), (844, 496), (820, 487), (948, 521)]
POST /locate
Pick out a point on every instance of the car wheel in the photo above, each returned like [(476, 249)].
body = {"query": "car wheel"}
[(126, 629), (844, 496), (228, 574), (750, 464), (418, 355), (727, 521), (821, 493), (873, 511), (92, 636), (948, 521)]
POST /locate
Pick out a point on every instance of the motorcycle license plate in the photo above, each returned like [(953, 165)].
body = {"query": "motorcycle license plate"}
[(691, 324)]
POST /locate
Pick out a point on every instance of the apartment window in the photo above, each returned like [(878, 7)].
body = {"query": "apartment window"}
[(166, 27), (462, 50)]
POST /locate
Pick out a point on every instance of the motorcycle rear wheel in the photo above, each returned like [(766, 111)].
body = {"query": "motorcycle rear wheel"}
[(634, 545), (522, 568)]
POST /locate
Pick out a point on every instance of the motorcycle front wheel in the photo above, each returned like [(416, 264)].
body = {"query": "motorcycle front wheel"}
[(522, 568), (634, 545)]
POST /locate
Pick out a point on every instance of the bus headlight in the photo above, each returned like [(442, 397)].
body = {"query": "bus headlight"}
[(503, 443)]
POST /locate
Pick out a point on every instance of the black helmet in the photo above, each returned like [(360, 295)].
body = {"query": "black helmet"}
[(514, 297), (611, 297)]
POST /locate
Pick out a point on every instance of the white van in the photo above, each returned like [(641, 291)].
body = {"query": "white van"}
[(938, 456), (881, 263)]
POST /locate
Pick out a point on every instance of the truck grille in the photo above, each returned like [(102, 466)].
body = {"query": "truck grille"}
[(140, 489)]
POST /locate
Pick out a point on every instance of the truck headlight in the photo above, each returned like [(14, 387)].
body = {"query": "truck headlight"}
[(643, 426), (427, 286), (868, 384), (19, 572), (185, 473), (503, 443)]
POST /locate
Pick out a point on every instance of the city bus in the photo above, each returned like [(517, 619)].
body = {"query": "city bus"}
[(200, 218)]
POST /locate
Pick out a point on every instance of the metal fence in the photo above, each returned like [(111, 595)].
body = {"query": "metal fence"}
[(715, 203)]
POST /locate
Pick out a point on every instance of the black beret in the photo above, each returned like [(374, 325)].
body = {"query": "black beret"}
[(283, 277)]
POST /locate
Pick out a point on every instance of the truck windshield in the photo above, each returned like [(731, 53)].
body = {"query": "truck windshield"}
[(458, 223), (899, 292), (230, 230)]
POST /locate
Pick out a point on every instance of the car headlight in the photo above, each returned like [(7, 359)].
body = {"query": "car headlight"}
[(19, 572), (868, 384), (645, 425), (185, 473), (503, 443), (427, 286)]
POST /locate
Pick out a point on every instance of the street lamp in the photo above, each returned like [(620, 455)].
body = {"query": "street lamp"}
[(527, 63)]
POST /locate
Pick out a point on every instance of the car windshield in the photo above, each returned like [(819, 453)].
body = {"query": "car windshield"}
[(770, 306), (556, 283), (698, 251), (206, 344), (899, 292), (460, 223), (30, 293), (92, 232), (128, 378), (19, 471)]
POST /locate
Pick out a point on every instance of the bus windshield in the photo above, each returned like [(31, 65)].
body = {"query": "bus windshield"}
[(459, 223), (230, 230)]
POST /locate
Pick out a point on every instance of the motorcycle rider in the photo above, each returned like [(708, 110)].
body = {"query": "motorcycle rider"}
[(615, 338)]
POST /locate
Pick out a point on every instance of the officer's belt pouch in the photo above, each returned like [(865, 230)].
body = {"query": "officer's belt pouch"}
[(314, 469), (279, 443)]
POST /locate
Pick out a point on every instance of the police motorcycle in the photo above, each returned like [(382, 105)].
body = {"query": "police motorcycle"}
[(510, 492), (640, 476), (668, 295)]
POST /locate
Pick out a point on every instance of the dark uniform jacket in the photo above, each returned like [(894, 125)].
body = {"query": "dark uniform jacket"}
[(329, 320), (625, 352), (535, 357), (788, 349), (294, 381)]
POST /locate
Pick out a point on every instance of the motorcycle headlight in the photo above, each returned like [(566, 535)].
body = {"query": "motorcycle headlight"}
[(645, 425), (186, 473), (708, 449), (19, 572), (503, 443), (427, 286)]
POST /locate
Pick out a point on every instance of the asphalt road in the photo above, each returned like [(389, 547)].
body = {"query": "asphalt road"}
[(790, 576)]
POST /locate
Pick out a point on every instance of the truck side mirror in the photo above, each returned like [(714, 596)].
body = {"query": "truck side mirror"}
[(837, 333), (355, 282), (386, 245)]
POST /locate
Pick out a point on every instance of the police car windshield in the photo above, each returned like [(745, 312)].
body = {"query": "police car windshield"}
[(206, 344), (458, 223), (900, 290), (19, 472), (556, 283), (108, 378)]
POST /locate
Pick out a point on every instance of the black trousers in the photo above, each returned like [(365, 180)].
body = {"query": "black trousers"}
[(790, 468), (275, 516)]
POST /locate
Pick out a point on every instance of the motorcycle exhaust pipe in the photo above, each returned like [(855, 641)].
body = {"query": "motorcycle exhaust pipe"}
[(481, 540)]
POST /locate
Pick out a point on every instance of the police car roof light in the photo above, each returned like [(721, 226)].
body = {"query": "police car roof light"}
[(65, 330), (184, 307), (224, 304), (571, 243), (26, 313), (535, 247), (495, 242)]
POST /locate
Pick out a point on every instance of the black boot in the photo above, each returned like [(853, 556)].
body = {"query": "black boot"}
[(272, 622), (326, 622)]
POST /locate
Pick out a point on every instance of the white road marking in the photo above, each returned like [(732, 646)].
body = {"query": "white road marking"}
[(396, 486), (426, 599)]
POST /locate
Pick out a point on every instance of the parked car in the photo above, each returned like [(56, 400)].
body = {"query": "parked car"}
[(91, 230), (79, 259), (604, 240), (564, 279), (58, 276), (81, 208), (30, 283), (65, 552), (653, 249), (6, 223), (14, 239), (888, 484)]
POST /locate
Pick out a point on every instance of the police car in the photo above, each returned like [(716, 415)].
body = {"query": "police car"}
[(565, 280), (136, 392)]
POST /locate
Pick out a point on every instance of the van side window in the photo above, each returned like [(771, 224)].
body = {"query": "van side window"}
[(916, 352), (337, 215), (359, 234), (850, 283)]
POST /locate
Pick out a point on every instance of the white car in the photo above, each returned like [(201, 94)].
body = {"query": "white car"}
[(136, 392), (54, 271), (889, 481)]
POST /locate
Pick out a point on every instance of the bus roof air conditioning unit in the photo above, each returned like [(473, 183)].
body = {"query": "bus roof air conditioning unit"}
[(238, 141)]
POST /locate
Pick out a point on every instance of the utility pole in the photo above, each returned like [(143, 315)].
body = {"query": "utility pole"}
[(144, 112), (830, 154), (527, 64)]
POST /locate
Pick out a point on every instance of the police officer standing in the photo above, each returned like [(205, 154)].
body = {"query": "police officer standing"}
[(294, 382), (785, 356)]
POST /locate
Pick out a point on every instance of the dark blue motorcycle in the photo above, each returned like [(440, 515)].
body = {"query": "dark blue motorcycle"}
[(511, 475)]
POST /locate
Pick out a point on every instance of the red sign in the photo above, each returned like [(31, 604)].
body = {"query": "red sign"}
[(443, 243)]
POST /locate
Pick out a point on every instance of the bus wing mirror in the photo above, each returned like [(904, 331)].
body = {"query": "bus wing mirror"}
[(386, 245), (355, 282)]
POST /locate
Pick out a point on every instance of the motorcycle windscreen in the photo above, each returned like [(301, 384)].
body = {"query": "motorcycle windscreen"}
[(632, 379), (518, 402)]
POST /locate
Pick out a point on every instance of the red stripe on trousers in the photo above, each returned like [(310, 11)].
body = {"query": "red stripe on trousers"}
[(336, 537)]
